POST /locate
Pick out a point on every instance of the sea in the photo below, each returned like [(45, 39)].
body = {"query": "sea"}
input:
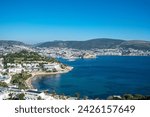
[(100, 77)]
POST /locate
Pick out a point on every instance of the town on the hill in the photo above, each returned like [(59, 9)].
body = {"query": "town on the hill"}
[(17, 70), (19, 63)]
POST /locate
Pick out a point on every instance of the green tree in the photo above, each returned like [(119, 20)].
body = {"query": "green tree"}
[(21, 96), (138, 97), (19, 79), (127, 96), (3, 84), (39, 98)]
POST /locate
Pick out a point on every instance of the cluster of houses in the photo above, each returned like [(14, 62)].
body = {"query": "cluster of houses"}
[(29, 94), (32, 67), (18, 68), (9, 69), (4, 77), (73, 54), (14, 68), (1, 64), (12, 92)]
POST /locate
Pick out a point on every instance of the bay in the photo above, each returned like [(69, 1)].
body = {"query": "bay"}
[(100, 77)]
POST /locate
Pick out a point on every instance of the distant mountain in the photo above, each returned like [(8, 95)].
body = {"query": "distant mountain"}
[(136, 44), (10, 43), (100, 43)]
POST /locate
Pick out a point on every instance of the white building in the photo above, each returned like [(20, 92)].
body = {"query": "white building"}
[(5, 78), (3, 93), (52, 66), (33, 95), (15, 70)]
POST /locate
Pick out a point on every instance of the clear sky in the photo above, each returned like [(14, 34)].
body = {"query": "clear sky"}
[(33, 21)]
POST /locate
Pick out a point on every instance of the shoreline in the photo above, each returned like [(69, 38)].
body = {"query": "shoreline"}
[(39, 73)]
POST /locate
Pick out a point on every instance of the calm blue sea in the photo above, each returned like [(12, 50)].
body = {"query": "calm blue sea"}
[(101, 77)]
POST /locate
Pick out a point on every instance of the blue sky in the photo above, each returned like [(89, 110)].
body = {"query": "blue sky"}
[(33, 21)]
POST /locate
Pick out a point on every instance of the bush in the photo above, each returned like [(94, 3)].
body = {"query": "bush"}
[(21, 96), (127, 97), (3, 84)]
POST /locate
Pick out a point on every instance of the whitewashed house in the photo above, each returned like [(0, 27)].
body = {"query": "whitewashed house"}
[(52, 66), (3, 93), (33, 95), (15, 70), (5, 78)]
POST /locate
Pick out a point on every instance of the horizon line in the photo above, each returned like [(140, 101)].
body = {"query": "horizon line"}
[(74, 40)]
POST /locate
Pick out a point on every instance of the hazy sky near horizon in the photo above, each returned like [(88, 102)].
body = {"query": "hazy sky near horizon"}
[(33, 21)]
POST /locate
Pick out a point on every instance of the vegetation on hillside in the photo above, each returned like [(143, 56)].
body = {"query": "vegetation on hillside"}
[(19, 80), (25, 56), (3, 84), (21, 96)]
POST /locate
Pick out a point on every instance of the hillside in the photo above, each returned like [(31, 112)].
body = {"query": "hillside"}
[(140, 45), (25, 56), (10, 43), (101, 43)]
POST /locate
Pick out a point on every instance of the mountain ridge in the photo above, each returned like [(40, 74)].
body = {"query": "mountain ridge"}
[(11, 43), (99, 43)]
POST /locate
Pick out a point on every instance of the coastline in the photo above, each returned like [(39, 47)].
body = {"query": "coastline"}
[(35, 74)]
